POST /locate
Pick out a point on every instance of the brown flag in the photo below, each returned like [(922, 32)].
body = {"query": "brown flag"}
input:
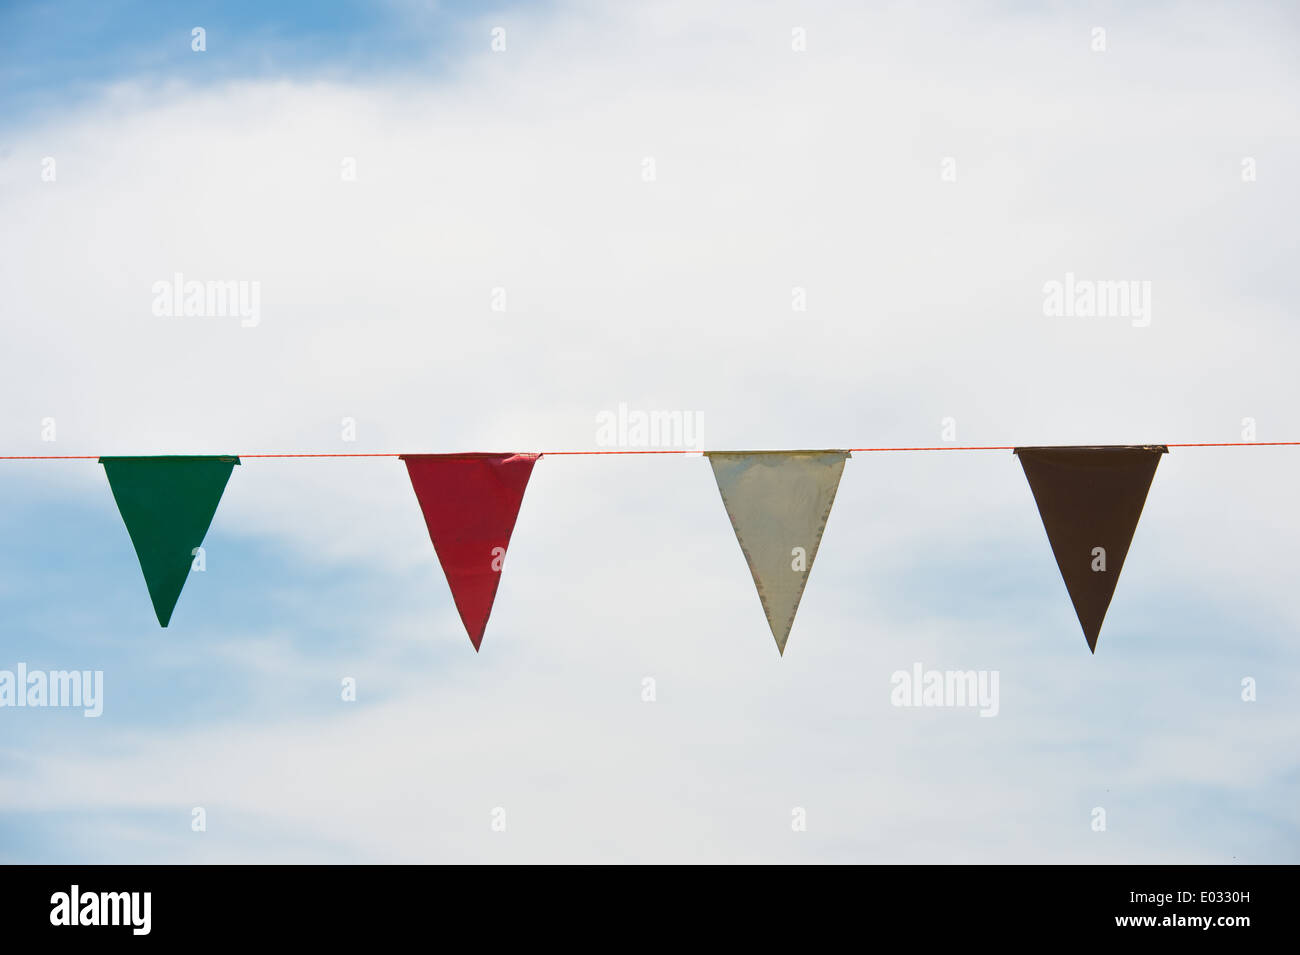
[(1090, 500)]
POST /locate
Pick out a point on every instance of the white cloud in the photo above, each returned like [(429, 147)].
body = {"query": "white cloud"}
[(775, 169)]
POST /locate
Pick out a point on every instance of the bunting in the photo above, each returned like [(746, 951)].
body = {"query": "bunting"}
[(1090, 500), (778, 502), (167, 504), (470, 503)]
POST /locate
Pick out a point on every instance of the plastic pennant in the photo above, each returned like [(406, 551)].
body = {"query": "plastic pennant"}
[(167, 503), (1090, 500), (470, 503), (778, 503)]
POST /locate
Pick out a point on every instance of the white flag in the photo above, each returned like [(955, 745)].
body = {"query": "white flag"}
[(778, 502)]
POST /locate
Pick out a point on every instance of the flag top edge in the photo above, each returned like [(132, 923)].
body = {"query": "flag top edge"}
[(842, 451), (234, 458), (470, 455), (1157, 448)]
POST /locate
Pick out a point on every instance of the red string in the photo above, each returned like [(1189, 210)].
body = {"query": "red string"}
[(1231, 444), (394, 454), (950, 447)]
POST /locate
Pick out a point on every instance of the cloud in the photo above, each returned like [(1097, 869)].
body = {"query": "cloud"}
[(523, 171)]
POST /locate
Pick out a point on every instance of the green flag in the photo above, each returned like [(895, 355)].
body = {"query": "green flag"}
[(167, 503)]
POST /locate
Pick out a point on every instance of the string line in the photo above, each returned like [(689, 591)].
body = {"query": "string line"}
[(396, 454)]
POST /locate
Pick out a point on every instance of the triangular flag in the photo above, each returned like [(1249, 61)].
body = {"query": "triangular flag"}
[(167, 504), (778, 502), (470, 502), (1090, 500)]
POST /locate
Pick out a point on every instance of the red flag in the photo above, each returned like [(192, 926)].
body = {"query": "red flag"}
[(470, 502)]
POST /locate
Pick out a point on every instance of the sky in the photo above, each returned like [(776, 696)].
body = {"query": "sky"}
[(645, 186)]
